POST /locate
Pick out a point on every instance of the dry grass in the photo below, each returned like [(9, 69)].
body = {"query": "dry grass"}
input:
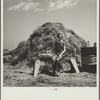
[(19, 76)]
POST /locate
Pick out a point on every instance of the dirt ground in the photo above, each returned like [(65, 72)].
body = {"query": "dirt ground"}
[(20, 76)]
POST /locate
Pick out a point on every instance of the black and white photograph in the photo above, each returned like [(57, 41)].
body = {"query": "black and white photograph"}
[(50, 43), (50, 49)]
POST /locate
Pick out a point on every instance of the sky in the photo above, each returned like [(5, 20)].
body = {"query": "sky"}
[(22, 17)]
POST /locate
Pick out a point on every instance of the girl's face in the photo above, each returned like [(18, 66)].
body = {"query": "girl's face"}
[(60, 37)]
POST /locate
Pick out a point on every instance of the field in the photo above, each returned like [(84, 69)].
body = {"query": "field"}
[(21, 76)]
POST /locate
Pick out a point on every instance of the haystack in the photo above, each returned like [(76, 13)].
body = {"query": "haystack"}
[(43, 38)]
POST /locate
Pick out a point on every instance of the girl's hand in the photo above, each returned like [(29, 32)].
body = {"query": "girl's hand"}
[(59, 57)]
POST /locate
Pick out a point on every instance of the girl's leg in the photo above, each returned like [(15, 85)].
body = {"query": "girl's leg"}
[(54, 67), (58, 66)]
